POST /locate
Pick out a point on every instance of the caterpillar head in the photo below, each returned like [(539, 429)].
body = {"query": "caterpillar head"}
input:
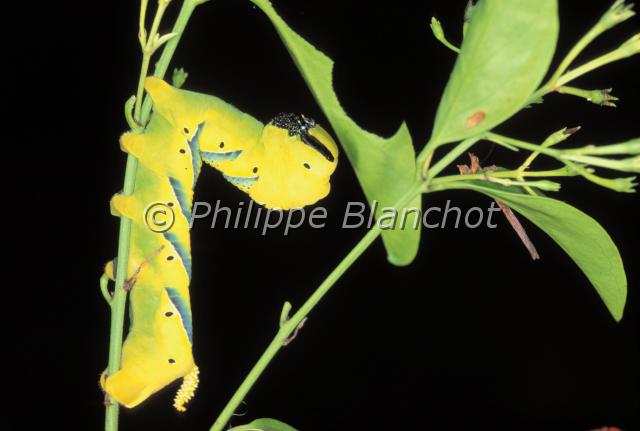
[(299, 158), (305, 134)]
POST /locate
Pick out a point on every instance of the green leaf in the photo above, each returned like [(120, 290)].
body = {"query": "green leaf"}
[(584, 240), (386, 168), (506, 52), (264, 425)]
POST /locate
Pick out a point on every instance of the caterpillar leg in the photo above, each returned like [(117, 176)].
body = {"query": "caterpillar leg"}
[(128, 114), (104, 288), (107, 399), (123, 205), (110, 270), (107, 275), (132, 143)]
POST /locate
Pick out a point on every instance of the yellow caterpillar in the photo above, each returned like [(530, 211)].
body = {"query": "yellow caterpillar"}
[(284, 164)]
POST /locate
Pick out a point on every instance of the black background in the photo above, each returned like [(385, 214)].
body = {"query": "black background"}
[(473, 335)]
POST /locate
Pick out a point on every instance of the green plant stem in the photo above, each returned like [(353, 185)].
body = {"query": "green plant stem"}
[(573, 91), (562, 172), (142, 34), (141, 114), (630, 148), (586, 68), (579, 71), (560, 77), (118, 304), (564, 156), (147, 53), (170, 48), (575, 51), (137, 110), (291, 325), (504, 140)]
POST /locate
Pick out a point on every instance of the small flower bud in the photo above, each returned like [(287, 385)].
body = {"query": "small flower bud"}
[(630, 164), (622, 185), (469, 10), (548, 186), (631, 147), (436, 28), (179, 77), (602, 97), (438, 32), (560, 136), (617, 13), (630, 47)]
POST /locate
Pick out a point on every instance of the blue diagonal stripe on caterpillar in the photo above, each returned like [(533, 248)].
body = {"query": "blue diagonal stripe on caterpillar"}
[(183, 201), (183, 309), (194, 145), (241, 181), (185, 256), (219, 157)]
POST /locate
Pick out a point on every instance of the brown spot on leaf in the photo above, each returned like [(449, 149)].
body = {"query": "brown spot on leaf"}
[(476, 119)]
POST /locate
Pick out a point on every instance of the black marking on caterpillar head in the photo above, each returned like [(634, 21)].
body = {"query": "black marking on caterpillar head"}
[(314, 143), (299, 125), (295, 124)]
